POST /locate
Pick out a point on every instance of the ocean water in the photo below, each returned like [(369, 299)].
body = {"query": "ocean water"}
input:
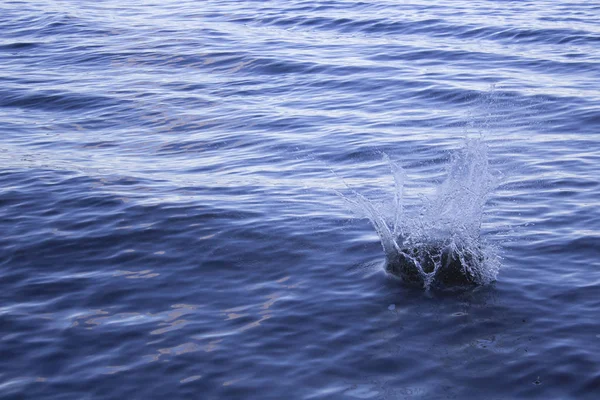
[(190, 196)]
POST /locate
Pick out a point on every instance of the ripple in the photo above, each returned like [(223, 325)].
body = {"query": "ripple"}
[(169, 217)]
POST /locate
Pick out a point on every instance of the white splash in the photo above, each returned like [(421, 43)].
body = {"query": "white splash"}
[(441, 242)]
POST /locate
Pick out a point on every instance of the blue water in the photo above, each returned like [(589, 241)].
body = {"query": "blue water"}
[(170, 212)]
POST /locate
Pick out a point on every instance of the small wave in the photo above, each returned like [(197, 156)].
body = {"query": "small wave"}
[(52, 100), (18, 46)]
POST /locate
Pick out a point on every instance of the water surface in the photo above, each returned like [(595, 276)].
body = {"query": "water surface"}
[(169, 210)]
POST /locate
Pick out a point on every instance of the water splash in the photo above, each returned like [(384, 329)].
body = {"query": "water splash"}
[(440, 243)]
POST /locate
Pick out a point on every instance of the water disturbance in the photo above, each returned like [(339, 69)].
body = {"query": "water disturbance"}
[(439, 242), (170, 226)]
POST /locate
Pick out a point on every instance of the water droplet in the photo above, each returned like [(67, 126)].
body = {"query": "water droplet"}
[(392, 307)]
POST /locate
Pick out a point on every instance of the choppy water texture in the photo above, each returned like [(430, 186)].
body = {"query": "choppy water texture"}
[(170, 214)]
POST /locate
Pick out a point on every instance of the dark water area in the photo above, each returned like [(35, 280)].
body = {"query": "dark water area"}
[(170, 214)]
